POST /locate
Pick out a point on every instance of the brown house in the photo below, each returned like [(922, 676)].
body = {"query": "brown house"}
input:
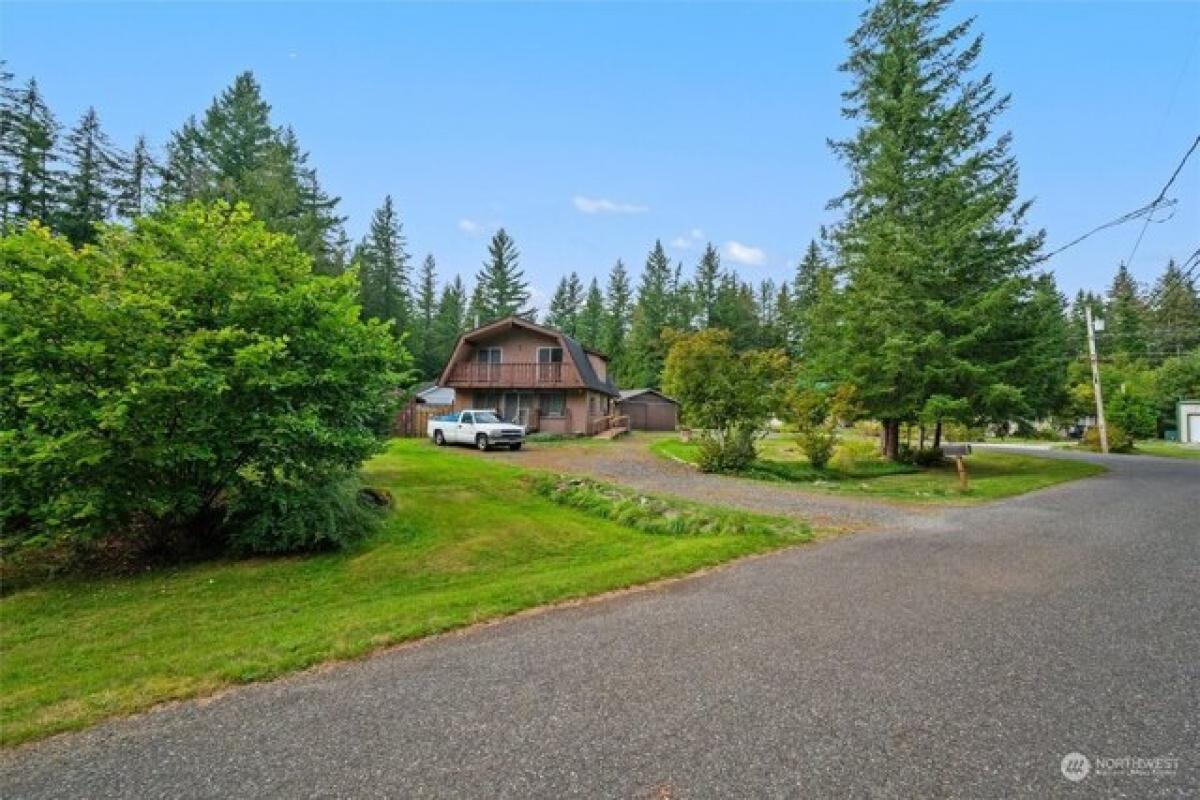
[(534, 376)]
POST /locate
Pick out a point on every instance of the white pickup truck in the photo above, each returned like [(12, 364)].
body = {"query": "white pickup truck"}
[(477, 427)]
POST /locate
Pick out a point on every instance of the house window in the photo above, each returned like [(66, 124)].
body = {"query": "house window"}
[(550, 361), (488, 355), (552, 404), (489, 400)]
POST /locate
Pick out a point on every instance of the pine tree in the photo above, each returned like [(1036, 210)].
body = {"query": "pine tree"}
[(136, 184), (477, 310), (9, 141), (708, 279), (501, 283), (384, 270), (1175, 311), (450, 321), (236, 154), (645, 349), (589, 328), (424, 312), (935, 257), (33, 142), (565, 305), (736, 311), (618, 301), (90, 189), (681, 304), (1126, 315)]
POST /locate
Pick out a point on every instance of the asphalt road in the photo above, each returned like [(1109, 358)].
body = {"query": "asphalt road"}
[(961, 656)]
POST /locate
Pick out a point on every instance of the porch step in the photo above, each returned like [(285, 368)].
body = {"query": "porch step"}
[(611, 433)]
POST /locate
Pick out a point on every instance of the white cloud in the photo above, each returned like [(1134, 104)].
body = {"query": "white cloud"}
[(744, 254), (470, 227), (599, 205), (689, 240)]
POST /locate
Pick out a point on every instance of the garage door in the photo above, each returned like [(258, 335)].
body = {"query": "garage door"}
[(650, 416), (1194, 428)]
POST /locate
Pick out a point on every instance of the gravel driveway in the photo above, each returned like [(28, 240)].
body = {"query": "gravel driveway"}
[(963, 656), (629, 461)]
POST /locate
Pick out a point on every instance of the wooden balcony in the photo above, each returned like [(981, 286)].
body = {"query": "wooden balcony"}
[(476, 375)]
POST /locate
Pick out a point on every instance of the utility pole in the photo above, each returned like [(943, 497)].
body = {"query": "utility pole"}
[(1091, 334)]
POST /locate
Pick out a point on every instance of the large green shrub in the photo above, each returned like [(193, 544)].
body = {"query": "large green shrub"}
[(727, 395), (189, 377)]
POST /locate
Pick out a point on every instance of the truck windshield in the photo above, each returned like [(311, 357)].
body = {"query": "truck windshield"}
[(486, 417)]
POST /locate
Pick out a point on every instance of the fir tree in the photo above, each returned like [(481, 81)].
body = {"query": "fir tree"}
[(384, 270), (589, 328), (565, 305), (136, 184), (618, 301), (1175, 311), (236, 154), (33, 141), (645, 349), (450, 321), (936, 259), (91, 186), (9, 141), (708, 279), (500, 286), (1126, 315), (425, 311)]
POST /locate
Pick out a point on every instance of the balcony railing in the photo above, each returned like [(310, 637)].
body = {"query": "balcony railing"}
[(476, 374)]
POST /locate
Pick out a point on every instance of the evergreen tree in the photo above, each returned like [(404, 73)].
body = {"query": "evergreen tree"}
[(500, 287), (589, 328), (91, 186), (31, 144), (736, 311), (384, 270), (805, 285), (1126, 315), (645, 350), (618, 301), (708, 279), (422, 337), (136, 184), (1175, 311), (450, 321), (235, 153), (936, 260), (565, 305), (9, 143), (681, 306)]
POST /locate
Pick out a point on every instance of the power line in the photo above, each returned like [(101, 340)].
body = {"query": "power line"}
[(1159, 201)]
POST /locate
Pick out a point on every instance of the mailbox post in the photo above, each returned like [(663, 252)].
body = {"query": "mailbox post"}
[(958, 452)]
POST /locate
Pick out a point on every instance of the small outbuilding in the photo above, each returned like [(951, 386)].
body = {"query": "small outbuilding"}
[(1187, 414), (649, 410)]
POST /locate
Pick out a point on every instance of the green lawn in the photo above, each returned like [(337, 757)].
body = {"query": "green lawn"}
[(992, 474), (470, 540), (1157, 447)]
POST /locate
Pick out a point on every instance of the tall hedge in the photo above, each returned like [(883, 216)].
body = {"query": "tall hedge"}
[(189, 376)]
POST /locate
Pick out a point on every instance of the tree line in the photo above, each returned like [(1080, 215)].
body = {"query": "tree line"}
[(926, 295)]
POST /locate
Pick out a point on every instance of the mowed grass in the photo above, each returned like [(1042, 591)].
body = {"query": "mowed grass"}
[(1156, 447), (469, 541), (991, 474)]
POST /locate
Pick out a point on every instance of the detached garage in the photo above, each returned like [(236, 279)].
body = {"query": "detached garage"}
[(1188, 413), (649, 410)]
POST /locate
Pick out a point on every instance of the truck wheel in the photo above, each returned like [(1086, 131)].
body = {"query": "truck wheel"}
[(439, 439), (515, 447), (481, 441)]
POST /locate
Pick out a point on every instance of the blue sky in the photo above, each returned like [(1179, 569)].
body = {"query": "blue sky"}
[(589, 130)]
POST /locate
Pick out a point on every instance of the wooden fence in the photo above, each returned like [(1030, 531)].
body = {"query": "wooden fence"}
[(411, 421)]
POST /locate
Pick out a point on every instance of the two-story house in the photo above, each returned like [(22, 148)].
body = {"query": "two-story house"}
[(533, 375)]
